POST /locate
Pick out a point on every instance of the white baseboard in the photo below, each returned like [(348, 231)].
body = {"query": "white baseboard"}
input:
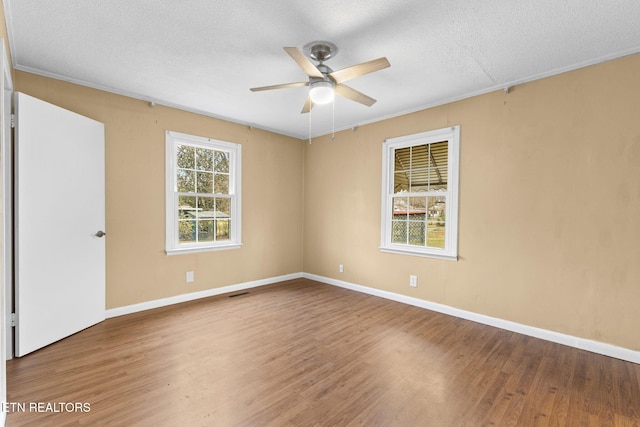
[(569, 340), (134, 308)]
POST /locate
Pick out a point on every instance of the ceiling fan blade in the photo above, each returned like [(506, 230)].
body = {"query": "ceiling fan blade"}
[(308, 105), (354, 71), (282, 86), (304, 62), (352, 94)]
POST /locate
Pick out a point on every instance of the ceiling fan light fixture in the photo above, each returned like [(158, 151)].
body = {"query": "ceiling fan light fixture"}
[(321, 92)]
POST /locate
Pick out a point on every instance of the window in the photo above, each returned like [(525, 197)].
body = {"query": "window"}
[(420, 194), (202, 195)]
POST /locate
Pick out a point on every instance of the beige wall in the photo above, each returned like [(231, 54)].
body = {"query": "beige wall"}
[(549, 202), (138, 270), (549, 205)]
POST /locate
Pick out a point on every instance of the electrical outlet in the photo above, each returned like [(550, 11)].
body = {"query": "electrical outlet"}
[(190, 277), (341, 268), (413, 281)]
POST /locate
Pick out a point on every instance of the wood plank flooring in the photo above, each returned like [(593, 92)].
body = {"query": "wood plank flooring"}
[(302, 353)]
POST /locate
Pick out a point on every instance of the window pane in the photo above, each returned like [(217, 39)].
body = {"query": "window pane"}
[(205, 230), (419, 221), (439, 154), (204, 159), (205, 182), (223, 208), (399, 232), (419, 157), (435, 234), (437, 208), (186, 231), (221, 184), (438, 179), (400, 182), (417, 208), (222, 229), (186, 181), (402, 159), (400, 207), (421, 167), (186, 207), (419, 180), (438, 164), (221, 160), (206, 209), (185, 156), (417, 234), (437, 221)]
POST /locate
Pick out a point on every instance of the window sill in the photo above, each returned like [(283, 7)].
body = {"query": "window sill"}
[(193, 250), (402, 251)]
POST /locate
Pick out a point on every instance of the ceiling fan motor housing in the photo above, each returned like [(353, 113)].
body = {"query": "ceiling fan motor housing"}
[(320, 50)]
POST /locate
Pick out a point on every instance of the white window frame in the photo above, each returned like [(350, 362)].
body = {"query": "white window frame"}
[(450, 134), (173, 247)]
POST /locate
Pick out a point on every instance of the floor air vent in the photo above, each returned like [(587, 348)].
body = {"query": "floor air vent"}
[(237, 295)]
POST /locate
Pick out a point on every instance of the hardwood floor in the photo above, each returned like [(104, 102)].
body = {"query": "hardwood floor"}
[(303, 353)]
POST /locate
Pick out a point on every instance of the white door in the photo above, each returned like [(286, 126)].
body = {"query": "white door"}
[(59, 214)]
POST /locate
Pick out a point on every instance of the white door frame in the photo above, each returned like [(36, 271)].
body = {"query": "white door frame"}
[(6, 239), (6, 246)]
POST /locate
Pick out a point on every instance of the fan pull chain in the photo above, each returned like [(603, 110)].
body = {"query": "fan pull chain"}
[(333, 121), (309, 113)]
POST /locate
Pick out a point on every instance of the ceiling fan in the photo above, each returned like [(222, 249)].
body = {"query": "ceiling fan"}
[(323, 81)]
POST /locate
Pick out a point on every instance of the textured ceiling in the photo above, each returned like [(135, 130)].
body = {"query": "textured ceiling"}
[(204, 55)]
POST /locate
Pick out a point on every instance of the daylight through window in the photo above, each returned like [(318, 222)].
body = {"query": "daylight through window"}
[(420, 194), (203, 194)]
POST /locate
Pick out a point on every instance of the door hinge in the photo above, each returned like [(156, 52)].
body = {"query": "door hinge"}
[(13, 121), (13, 320)]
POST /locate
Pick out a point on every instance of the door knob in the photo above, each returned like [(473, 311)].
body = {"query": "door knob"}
[(101, 234)]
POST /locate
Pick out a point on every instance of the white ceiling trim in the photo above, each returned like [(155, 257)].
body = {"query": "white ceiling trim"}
[(252, 125), (144, 98), (203, 56), (506, 86)]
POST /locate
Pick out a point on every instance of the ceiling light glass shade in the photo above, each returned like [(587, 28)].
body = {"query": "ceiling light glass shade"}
[(321, 92)]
